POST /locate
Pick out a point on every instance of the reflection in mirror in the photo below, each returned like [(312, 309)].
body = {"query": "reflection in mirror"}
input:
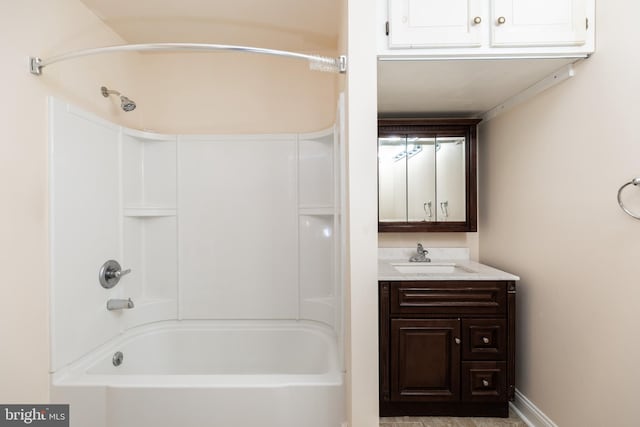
[(392, 180), (421, 175), (450, 178)]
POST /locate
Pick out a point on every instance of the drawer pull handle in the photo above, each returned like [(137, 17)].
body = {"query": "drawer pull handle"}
[(486, 340), (457, 340), (485, 383), (477, 20), (501, 20)]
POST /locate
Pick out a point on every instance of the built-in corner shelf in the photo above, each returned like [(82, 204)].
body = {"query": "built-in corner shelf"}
[(144, 212), (316, 210)]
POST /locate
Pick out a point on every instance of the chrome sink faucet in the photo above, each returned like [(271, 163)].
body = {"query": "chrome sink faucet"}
[(421, 255), (119, 304)]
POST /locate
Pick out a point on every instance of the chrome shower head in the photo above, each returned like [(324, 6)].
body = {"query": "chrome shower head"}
[(125, 103)]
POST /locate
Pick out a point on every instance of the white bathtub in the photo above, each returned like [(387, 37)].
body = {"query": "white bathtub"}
[(208, 374)]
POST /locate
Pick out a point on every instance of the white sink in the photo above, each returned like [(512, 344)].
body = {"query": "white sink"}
[(428, 267)]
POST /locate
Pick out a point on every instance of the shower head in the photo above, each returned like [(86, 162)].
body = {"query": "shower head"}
[(125, 103)]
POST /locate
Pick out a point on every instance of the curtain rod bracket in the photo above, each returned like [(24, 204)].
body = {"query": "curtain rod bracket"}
[(342, 64), (34, 65)]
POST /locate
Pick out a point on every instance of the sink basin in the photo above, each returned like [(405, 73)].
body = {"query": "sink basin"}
[(428, 267)]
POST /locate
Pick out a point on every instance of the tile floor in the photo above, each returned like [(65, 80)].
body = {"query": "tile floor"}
[(512, 421)]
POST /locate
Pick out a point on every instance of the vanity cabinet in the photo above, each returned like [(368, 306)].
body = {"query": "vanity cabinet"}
[(491, 27), (447, 347)]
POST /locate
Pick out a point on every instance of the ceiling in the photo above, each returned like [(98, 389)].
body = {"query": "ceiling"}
[(456, 87), (308, 25)]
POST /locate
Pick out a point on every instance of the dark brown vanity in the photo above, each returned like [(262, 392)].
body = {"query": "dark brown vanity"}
[(447, 347), (447, 324)]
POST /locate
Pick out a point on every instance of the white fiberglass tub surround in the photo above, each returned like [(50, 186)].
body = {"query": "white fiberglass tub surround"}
[(234, 246), (209, 373)]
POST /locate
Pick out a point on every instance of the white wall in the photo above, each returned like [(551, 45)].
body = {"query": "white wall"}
[(362, 300), (238, 227), (550, 170)]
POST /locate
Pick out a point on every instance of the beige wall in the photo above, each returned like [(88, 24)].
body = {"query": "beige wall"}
[(433, 240), (550, 170), (34, 27), (235, 93)]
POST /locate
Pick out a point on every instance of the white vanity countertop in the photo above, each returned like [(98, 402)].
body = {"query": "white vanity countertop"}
[(469, 270)]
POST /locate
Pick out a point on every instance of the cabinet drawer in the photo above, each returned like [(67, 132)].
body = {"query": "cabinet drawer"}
[(452, 297), (484, 381), (484, 339)]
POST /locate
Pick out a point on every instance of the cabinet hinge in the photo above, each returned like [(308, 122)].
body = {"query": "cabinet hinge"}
[(587, 23), (386, 28)]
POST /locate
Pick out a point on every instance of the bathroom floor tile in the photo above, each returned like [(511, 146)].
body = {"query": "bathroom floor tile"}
[(404, 420), (446, 422), (512, 421), (401, 424)]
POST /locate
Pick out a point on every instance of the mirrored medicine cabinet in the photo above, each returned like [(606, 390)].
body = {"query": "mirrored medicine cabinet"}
[(427, 175)]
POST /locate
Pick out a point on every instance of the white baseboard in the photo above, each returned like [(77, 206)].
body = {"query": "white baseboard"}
[(529, 413)]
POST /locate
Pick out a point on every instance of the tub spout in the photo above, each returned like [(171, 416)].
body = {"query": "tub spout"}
[(119, 304)]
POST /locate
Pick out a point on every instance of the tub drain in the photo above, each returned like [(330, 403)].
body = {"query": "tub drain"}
[(117, 358)]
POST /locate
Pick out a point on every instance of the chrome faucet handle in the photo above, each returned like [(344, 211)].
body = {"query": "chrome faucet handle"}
[(110, 273), (118, 273)]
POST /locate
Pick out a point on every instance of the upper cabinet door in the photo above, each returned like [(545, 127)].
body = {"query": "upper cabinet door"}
[(435, 23), (538, 23)]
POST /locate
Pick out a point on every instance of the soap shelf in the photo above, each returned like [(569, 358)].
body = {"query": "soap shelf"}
[(142, 212), (316, 210)]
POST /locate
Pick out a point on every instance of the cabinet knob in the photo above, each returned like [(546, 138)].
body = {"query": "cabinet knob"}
[(486, 340), (457, 340), (477, 20), (485, 383), (502, 20)]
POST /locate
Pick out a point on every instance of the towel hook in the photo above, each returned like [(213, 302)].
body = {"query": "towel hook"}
[(636, 182)]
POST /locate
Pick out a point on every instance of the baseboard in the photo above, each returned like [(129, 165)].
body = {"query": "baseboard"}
[(529, 413)]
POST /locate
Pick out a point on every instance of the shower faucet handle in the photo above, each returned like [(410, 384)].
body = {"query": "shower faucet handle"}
[(110, 273), (118, 274)]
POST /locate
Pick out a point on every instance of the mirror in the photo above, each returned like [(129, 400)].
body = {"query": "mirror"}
[(426, 175)]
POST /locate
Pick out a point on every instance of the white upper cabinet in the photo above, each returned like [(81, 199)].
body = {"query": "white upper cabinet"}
[(434, 23), (486, 28), (538, 23)]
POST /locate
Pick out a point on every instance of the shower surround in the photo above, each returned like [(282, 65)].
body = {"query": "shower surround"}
[(235, 248)]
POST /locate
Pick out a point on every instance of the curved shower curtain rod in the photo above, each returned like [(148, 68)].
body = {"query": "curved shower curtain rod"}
[(316, 62)]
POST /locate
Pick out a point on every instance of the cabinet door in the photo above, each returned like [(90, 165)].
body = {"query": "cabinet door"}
[(421, 179), (434, 23), (425, 360), (538, 23), (451, 177), (392, 178)]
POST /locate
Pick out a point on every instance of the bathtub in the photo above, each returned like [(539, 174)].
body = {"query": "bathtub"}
[(208, 373)]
